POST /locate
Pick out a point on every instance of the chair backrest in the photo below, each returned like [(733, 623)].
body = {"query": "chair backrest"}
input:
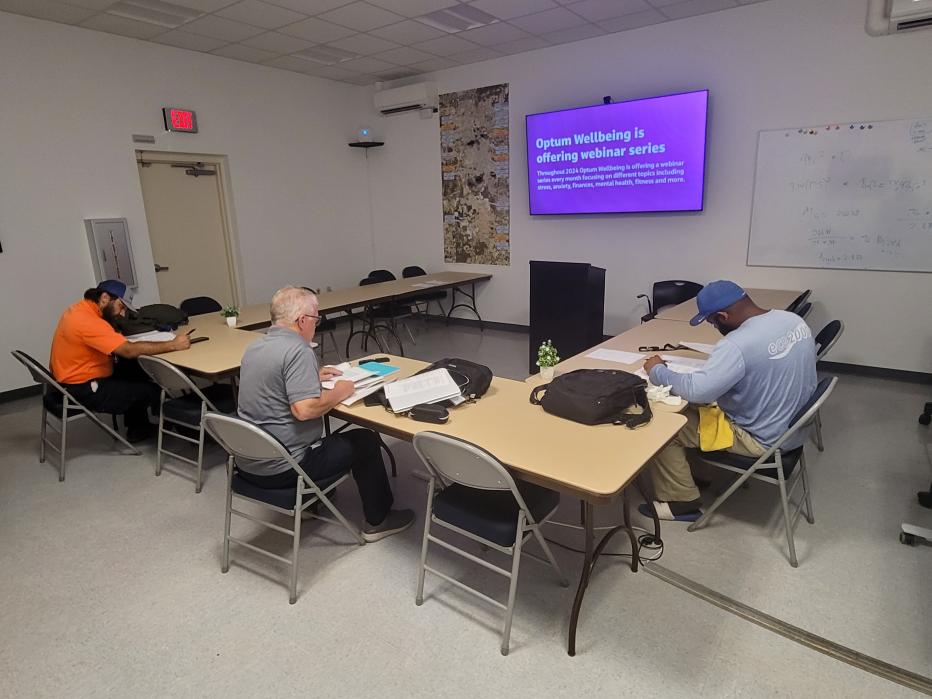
[(382, 275), (244, 440), (807, 412), (200, 304), (455, 460), (413, 271), (827, 337), (170, 378), (803, 309), (799, 301), (674, 291), (41, 375)]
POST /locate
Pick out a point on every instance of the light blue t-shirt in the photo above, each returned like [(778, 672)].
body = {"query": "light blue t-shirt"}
[(760, 374)]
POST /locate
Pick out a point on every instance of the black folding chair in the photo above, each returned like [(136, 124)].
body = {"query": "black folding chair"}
[(668, 293)]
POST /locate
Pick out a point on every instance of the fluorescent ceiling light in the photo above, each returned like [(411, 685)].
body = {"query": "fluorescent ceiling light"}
[(326, 55), (163, 14), (458, 19)]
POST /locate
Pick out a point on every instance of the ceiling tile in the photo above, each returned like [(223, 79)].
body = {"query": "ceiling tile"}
[(186, 40), (492, 34), (202, 5), (549, 21), (310, 7), (222, 28), (407, 32), (478, 54), (317, 30), (445, 45), (244, 53), (125, 27), (638, 19), (261, 14), (364, 44), (404, 56), (531, 43), (414, 8), (47, 9), (506, 9), (565, 36), (96, 4), (277, 43), (697, 7), (290, 63), (433, 64), (597, 10), (661, 3), (367, 64), (362, 80), (361, 16), (397, 73), (332, 72)]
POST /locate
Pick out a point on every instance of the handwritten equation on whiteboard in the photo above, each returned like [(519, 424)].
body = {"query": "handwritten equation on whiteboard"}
[(848, 196)]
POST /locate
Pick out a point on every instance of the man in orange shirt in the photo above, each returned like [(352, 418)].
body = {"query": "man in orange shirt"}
[(83, 348)]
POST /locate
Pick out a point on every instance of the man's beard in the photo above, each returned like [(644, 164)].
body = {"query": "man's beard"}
[(109, 313), (722, 329)]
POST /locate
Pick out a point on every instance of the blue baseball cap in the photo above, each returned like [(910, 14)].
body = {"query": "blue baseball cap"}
[(117, 289), (715, 297)]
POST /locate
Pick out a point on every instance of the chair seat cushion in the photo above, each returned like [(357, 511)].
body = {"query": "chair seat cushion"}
[(790, 459), (279, 497), (327, 326), (492, 514), (188, 408)]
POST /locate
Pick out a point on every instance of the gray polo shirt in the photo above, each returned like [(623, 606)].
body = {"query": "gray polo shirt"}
[(277, 370)]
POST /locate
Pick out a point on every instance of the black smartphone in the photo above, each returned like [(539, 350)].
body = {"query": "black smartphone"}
[(195, 340), (377, 360)]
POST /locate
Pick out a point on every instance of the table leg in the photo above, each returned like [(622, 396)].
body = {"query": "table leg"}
[(471, 306)]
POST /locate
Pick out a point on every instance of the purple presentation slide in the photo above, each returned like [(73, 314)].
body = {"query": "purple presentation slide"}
[(644, 155)]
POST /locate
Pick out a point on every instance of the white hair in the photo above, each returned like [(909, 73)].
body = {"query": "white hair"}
[(290, 303)]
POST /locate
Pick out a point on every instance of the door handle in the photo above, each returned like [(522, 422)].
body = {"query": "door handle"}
[(160, 268)]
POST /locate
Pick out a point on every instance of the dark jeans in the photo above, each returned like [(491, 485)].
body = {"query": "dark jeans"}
[(128, 392), (358, 451)]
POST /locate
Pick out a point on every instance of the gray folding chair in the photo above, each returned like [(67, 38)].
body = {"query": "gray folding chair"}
[(775, 466), (245, 441), (824, 341), (472, 494), (57, 401), (184, 405)]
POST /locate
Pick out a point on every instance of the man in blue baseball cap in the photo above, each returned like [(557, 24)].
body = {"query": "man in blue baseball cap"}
[(760, 374), (83, 349)]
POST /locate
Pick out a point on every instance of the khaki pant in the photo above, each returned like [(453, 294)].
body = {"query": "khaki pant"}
[(670, 473)]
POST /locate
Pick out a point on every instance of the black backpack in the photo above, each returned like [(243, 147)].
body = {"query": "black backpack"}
[(156, 316), (473, 379), (595, 397)]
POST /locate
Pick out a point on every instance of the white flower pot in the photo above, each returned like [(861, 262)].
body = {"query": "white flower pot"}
[(231, 321), (546, 373)]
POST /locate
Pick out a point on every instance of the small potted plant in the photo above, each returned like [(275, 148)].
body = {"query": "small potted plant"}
[(547, 359), (230, 313)]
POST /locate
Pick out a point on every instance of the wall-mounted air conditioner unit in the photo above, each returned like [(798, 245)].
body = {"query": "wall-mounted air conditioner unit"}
[(895, 16), (407, 98)]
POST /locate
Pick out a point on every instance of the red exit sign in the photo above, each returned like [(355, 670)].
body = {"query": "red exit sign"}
[(184, 120)]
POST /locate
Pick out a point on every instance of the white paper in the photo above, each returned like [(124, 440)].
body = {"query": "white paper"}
[(151, 336), (430, 282), (431, 387), (422, 286), (703, 347), (361, 393), (350, 373), (620, 356)]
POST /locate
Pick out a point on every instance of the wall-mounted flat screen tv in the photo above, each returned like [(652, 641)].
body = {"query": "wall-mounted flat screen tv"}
[(645, 155)]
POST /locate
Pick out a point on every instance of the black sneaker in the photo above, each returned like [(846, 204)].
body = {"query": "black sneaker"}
[(395, 521)]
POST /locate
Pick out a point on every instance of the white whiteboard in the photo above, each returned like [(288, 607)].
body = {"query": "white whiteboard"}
[(844, 196)]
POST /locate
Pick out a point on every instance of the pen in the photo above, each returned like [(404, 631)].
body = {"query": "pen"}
[(190, 331)]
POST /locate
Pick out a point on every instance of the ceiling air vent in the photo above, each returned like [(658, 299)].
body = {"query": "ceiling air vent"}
[(458, 18)]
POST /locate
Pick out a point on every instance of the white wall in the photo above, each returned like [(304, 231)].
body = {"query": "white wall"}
[(770, 65), (70, 99)]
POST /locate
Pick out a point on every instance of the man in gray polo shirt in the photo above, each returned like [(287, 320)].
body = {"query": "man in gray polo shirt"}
[(280, 391)]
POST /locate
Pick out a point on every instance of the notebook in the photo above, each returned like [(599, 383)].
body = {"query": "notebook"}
[(429, 387)]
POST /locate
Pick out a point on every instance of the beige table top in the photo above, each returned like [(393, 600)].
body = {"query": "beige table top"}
[(594, 463), (765, 298), (221, 354), (257, 315)]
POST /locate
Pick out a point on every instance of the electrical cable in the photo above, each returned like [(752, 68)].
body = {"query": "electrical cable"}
[(645, 541)]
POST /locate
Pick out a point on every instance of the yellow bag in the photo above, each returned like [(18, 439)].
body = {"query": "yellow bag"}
[(714, 429)]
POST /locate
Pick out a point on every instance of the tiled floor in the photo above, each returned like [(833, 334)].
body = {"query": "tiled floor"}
[(111, 581)]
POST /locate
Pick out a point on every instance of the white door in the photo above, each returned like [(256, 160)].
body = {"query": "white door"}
[(186, 228)]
